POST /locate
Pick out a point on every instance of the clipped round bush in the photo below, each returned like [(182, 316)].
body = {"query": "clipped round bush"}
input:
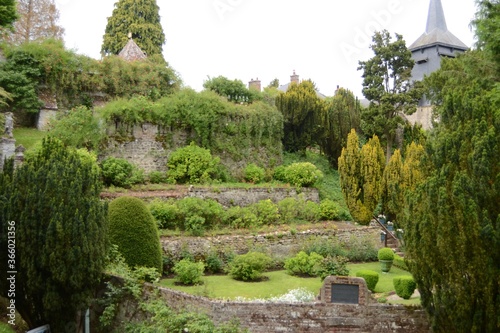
[(193, 164), (303, 174), (371, 278), (385, 253), (188, 272), (254, 174), (304, 264), (249, 267), (120, 172), (328, 210), (133, 229), (404, 286)]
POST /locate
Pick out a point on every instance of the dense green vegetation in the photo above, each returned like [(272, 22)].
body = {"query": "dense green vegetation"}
[(51, 208)]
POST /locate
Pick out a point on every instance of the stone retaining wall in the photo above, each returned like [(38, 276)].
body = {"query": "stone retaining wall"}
[(314, 317)]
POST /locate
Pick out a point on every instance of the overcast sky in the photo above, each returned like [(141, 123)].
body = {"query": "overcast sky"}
[(322, 40)]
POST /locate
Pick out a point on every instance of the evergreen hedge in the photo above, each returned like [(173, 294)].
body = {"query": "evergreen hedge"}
[(404, 286), (133, 229), (371, 278)]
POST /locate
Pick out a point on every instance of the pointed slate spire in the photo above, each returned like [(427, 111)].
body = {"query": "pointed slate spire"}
[(435, 18)]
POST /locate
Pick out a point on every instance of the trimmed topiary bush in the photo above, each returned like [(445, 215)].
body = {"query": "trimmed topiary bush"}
[(371, 278), (254, 174), (133, 229), (304, 264), (188, 272), (385, 253), (399, 262), (249, 267), (404, 286)]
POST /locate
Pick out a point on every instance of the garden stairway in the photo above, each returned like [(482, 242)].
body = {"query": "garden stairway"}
[(389, 238)]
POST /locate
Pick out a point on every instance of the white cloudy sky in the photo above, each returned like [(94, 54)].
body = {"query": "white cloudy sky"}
[(322, 40)]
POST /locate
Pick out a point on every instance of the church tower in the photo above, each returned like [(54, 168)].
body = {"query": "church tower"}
[(435, 43)]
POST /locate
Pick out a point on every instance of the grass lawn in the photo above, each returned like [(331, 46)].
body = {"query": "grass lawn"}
[(279, 283), (28, 137)]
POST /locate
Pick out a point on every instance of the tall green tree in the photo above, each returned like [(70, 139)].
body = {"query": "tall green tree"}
[(342, 113), (38, 20), (452, 222), (387, 85), (301, 109), (8, 13), (393, 187), (234, 90), (60, 233), (361, 171), (139, 17)]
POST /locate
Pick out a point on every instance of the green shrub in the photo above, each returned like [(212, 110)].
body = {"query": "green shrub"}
[(249, 267), (361, 249), (213, 263), (309, 211), (266, 211), (166, 214), (188, 272), (279, 173), (371, 278), (303, 174), (333, 266), (254, 174), (404, 286), (240, 217), (325, 247), (304, 264), (329, 210), (120, 172), (193, 164), (385, 253), (288, 210), (197, 214), (157, 177), (133, 229), (399, 262)]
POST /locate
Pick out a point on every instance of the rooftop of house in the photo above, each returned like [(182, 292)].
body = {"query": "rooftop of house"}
[(132, 51)]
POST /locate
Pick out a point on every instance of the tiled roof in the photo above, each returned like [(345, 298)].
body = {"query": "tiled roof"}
[(132, 52)]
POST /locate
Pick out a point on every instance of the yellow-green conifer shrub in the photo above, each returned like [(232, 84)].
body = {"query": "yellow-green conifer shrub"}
[(133, 229), (412, 170), (361, 172), (393, 187)]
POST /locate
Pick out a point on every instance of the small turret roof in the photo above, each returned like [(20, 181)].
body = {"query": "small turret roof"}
[(436, 32), (132, 52)]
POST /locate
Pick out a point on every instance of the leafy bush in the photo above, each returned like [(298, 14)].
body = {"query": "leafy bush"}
[(385, 253), (371, 278), (333, 266), (308, 211), (120, 172), (288, 210), (304, 264), (214, 263), (254, 174), (400, 262), (193, 164), (166, 214), (303, 174), (266, 211), (188, 272), (329, 210), (324, 247), (404, 286), (157, 177), (240, 217), (198, 214), (132, 228), (361, 249), (249, 267), (279, 173)]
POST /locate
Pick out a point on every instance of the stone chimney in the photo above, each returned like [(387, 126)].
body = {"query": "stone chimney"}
[(255, 85), (294, 77)]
